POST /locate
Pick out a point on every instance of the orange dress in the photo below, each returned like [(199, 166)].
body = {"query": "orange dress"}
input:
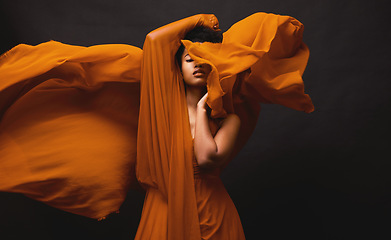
[(73, 120), (218, 218)]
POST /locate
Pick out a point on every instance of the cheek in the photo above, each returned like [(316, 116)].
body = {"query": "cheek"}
[(186, 71)]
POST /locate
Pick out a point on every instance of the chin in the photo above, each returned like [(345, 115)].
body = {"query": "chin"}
[(196, 83), (201, 83)]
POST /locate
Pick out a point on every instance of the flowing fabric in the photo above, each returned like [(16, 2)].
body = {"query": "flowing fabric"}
[(69, 125)]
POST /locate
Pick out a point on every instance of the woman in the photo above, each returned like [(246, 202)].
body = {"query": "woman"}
[(215, 216), (71, 115), (182, 201)]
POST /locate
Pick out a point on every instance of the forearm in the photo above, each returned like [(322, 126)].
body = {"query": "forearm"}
[(161, 45), (177, 30), (205, 147)]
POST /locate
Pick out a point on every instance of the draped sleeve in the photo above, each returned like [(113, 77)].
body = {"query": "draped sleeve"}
[(164, 148), (69, 124)]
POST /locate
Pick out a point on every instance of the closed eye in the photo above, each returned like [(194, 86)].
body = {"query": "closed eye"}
[(189, 60)]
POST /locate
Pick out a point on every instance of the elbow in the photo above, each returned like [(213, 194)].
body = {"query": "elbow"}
[(150, 37), (157, 35), (209, 162), (153, 36)]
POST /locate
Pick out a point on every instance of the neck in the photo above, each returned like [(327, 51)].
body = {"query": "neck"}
[(193, 95)]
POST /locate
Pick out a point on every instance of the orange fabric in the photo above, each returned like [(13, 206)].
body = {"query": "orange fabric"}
[(69, 124), (237, 83), (70, 117), (164, 146)]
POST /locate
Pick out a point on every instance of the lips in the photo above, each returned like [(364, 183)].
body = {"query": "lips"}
[(198, 73)]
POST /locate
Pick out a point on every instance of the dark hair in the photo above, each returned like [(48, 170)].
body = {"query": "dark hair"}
[(199, 34)]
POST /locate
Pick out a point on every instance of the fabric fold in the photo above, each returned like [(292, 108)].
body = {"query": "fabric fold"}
[(270, 47), (69, 124), (73, 118)]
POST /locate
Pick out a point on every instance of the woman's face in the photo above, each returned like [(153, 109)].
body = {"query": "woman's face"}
[(194, 74)]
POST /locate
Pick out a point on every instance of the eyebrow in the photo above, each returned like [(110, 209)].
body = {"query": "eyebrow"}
[(186, 55)]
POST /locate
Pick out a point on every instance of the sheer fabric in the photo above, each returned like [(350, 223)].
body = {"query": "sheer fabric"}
[(69, 124), (74, 118)]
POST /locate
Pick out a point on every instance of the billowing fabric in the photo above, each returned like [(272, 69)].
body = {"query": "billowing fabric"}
[(271, 47), (69, 126)]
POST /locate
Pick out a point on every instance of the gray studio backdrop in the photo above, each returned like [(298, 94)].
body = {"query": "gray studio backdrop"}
[(322, 175)]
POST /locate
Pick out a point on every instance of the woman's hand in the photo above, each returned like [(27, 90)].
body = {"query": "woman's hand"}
[(177, 30), (201, 105), (210, 20)]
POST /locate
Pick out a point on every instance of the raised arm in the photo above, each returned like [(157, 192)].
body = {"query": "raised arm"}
[(214, 151), (160, 78), (159, 69), (172, 33)]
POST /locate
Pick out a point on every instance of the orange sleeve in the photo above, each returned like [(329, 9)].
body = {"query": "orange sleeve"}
[(164, 146)]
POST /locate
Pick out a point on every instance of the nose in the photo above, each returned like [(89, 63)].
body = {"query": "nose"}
[(198, 65)]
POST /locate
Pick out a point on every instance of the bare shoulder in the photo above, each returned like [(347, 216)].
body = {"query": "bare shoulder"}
[(231, 119), (230, 123)]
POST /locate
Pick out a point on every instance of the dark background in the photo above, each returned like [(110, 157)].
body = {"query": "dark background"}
[(323, 175)]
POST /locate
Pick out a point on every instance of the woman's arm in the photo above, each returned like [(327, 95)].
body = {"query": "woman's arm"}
[(177, 30), (212, 151), (159, 68)]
